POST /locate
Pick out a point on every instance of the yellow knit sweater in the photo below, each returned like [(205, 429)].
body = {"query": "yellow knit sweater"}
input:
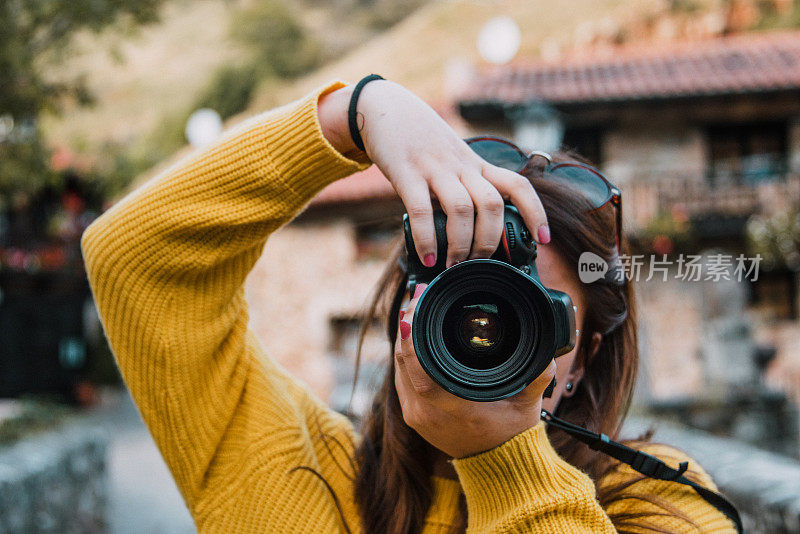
[(167, 265)]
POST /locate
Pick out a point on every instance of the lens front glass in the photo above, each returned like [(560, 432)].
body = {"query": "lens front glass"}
[(482, 330)]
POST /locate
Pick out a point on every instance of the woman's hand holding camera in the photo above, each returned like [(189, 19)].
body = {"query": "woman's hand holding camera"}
[(423, 157), (453, 425)]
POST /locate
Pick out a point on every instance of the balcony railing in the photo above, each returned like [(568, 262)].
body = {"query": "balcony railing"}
[(689, 196)]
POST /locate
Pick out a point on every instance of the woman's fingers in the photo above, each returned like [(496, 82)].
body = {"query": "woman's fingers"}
[(457, 205), (411, 372), (519, 190), (489, 208), (416, 197), (473, 203)]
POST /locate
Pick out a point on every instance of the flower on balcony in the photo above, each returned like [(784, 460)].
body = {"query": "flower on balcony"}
[(666, 233)]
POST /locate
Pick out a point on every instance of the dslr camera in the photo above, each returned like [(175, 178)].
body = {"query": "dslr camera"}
[(484, 329)]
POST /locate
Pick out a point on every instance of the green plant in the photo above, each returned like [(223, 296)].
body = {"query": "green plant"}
[(230, 90), (383, 14), (685, 6), (281, 45), (772, 18), (776, 239), (34, 36), (33, 416), (666, 233)]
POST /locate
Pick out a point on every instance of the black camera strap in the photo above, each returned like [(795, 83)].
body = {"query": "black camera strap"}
[(645, 464)]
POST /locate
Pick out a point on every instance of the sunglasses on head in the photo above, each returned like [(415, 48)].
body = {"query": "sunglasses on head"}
[(591, 182)]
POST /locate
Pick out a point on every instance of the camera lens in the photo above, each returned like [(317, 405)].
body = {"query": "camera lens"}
[(482, 330)]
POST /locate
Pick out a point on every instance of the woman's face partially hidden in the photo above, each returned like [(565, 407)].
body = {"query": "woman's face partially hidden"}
[(556, 274)]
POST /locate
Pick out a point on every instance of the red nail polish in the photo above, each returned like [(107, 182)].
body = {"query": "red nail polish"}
[(402, 313), (419, 289), (429, 261), (405, 330), (544, 234)]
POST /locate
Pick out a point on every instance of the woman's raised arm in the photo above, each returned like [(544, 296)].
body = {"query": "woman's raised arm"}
[(167, 265)]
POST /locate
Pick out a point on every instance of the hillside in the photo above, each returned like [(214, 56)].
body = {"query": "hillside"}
[(416, 51), (138, 79), (166, 65)]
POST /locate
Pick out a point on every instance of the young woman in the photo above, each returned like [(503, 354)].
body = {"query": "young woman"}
[(253, 451)]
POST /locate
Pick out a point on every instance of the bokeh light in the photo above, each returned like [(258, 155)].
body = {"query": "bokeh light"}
[(499, 40)]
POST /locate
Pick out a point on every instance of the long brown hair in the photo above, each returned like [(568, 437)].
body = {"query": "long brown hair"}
[(394, 464)]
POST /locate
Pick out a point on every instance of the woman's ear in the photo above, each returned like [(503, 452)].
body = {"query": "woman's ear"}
[(579, 365)]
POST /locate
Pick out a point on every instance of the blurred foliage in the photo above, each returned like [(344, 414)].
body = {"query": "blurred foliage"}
[(685, 6), (280, 38), (281, 45), (24, 164), (230, 90), (771, 17), (666, 233), (777, 239), (33, 416), (34, 35), (383, 14)]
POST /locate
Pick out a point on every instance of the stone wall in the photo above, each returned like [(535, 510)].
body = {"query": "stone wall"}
[(308, 276), (765, 487), (54, 482)]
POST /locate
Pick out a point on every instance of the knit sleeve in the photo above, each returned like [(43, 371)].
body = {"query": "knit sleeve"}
[(524, 486), (166, 265), (644, 505)]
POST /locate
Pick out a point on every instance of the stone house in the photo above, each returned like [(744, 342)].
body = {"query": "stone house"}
[(707, 130)]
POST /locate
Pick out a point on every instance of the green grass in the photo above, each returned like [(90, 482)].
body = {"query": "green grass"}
[(35, 416)]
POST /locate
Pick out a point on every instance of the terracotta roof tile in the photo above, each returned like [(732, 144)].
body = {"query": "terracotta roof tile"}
[(736, 64), (370, 184), (747, 63)]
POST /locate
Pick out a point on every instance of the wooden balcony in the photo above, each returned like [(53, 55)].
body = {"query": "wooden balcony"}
[(693, 196)]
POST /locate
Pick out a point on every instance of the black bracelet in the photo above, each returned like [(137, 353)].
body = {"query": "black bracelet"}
[(351, 110)]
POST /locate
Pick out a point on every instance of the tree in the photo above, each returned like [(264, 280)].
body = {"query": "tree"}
[(35, 35)]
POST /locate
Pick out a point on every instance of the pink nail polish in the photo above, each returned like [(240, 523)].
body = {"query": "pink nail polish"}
[(405, 330), (544, 234), (430, 260), (419, 289)]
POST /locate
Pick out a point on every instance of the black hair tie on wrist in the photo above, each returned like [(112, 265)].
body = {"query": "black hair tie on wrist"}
[(351, 110)]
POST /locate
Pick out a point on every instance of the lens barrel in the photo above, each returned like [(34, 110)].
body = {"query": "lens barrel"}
[(484, 330)]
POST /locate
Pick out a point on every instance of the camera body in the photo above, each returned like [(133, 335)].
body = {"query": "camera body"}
[(484, 329)]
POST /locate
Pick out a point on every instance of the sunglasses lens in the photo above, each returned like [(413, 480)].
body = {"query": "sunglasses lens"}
[(587, 181), (499, 154)]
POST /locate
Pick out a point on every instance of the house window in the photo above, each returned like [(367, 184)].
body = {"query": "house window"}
[(746, 154), (344, 334), (586, 142)]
